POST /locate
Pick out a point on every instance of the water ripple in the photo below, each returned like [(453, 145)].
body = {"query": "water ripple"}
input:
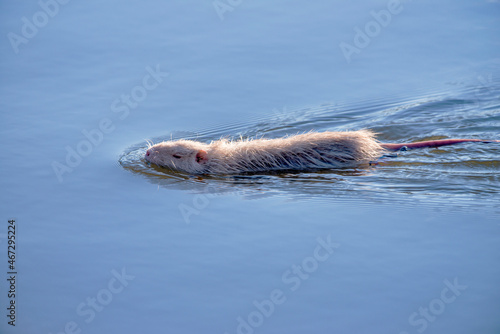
[(466, 175)]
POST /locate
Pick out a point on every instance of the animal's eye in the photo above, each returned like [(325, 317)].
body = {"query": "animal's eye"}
[(176, 156)]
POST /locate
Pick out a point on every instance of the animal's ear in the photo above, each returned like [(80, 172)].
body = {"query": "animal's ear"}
[(201, 156)]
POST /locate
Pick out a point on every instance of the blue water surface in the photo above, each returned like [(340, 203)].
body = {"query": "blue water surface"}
[(106, 243)]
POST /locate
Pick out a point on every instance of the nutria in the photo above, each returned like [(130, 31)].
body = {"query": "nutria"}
[(308, 151)]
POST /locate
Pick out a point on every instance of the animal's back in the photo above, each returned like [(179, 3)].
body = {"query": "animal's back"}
[(305, 151)]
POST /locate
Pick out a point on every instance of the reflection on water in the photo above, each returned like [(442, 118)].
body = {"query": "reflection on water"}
[(460, 172)]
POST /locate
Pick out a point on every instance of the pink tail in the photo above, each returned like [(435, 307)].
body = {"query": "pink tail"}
[(433, 143)]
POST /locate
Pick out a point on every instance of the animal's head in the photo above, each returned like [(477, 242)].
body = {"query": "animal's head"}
[(182, 155)]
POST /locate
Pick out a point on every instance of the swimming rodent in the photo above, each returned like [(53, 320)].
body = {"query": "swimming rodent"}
[(308, 151)]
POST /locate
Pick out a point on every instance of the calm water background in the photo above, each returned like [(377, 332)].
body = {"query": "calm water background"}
[(207, 255)]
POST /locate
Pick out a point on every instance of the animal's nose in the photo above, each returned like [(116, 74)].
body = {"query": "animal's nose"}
[(147, 153)]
